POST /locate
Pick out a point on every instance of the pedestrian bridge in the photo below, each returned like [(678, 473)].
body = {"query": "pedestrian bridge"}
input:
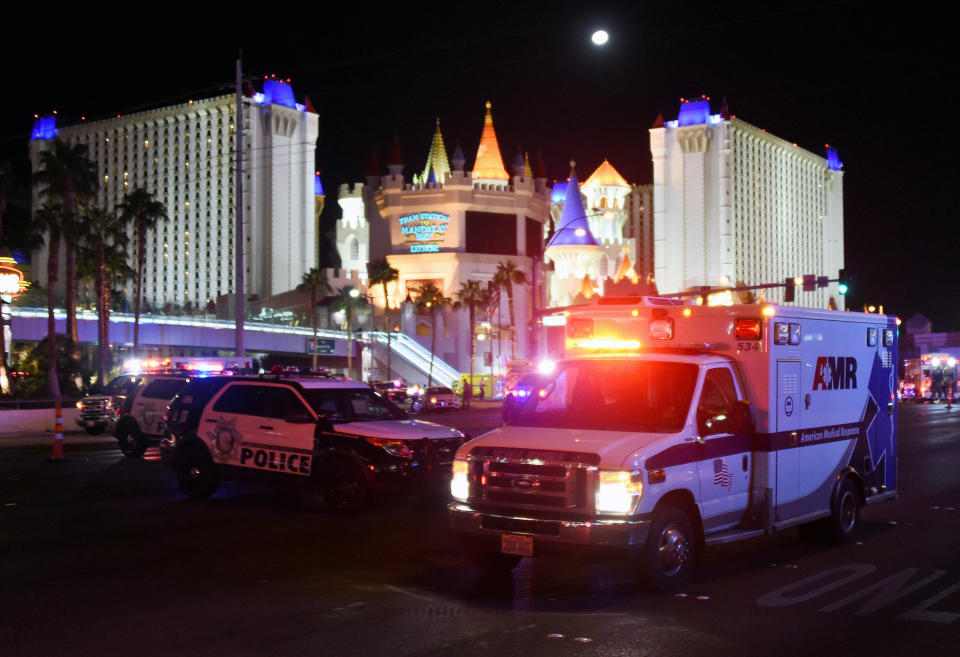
[(408, 358)]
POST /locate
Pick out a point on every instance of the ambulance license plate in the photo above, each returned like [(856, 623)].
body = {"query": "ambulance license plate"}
[(516, 544)]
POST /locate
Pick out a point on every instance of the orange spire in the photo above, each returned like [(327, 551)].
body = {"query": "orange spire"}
[(489, 162), (606, 175)]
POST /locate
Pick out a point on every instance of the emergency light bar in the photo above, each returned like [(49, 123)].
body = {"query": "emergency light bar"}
[(603, 344)]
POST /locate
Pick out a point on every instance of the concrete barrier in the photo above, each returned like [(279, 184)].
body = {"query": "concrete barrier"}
[(36, 420)]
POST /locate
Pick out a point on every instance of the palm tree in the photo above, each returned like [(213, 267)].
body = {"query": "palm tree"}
[(142, 210), (67, 176), (348, 300), (382, 274), (11, 191), (101, 232), (473, 296), (47, 221), (506, 277), (314, 283), (430, 300)]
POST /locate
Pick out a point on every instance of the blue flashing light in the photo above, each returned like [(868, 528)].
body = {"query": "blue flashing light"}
[(317, 185), (694, 113), (276, 92), (559, 192), (44, 128), (833, 160)]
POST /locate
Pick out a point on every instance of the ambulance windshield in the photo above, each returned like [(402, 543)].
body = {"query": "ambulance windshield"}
[(616, 395)]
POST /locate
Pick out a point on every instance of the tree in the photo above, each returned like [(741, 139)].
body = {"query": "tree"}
[(473, 296), (348, 300), (11, 192), (101, 231), (506, 277), (142, 210), (68, 177), (382, 274), (430, 300), (47, 221), (314, 283)]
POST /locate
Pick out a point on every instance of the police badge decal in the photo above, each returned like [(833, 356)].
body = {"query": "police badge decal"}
[(225, 441)]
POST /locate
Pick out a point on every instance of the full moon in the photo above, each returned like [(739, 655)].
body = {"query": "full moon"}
[(600, 37)]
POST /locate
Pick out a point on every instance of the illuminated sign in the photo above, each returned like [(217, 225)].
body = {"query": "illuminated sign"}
[(423, 231), (11, 278)]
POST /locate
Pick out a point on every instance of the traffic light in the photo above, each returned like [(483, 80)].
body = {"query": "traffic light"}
[(789, 289), (843, 281)]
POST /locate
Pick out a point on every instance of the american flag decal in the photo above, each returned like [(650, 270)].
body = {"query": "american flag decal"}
[(721, 475)]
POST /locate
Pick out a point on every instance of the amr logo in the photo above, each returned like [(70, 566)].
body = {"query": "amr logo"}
[(835, 373)]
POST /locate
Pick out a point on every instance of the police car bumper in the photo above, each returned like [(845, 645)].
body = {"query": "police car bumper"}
[(596, 538)]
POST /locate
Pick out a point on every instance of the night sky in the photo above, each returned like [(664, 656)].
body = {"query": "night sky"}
[(873, 82)]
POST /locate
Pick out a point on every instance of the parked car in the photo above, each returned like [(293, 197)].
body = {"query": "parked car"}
[(391, 390), (101, 412), (519, 393), (337, 437), (438, 397), (140, 422)]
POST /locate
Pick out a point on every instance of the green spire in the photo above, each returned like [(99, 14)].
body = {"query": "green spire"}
[(436, 160)]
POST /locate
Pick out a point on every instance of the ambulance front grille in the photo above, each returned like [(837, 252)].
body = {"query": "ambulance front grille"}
[(543, 483)]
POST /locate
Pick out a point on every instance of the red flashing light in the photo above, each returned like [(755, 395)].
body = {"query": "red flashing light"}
[(747, 329)]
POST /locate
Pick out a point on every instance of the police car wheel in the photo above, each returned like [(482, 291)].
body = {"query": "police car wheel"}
[(344, 487), (669, 554), (845, 517), (131, 444), (195, 475), (95, 430)]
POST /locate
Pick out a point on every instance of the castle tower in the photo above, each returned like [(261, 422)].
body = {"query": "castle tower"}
[(606, 192), (574, 251), (437, 168), (353, 230), (488, 167)]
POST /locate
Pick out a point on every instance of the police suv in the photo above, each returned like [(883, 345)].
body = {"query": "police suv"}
[(339, 437), (672, 427), (132, 407)]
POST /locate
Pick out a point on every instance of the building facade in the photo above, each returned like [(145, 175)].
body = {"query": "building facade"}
[(184, 155), (451, 226), (735, 205)]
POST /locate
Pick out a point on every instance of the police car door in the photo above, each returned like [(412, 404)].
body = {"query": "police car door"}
[(724, 464), (245, 426)]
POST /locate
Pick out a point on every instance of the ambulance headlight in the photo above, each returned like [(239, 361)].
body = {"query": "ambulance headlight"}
[(618, 492), (392, 446), (460, 482)]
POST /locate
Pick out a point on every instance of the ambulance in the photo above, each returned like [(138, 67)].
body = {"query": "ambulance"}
[(670, 427)]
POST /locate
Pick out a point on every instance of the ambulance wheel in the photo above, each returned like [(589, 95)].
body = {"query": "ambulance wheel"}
[(196, 476), (845, 515), (131, 444), (95, 430), (344, 487), (668, 557)]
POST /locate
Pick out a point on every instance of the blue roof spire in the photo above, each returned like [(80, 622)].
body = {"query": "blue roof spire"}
[(573, 227)]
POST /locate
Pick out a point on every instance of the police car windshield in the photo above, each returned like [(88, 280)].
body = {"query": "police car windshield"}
[(352, 404), (615, 395)]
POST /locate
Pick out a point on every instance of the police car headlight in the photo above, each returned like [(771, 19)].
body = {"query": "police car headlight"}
[(618, 492), (460, 482), (392, 446)]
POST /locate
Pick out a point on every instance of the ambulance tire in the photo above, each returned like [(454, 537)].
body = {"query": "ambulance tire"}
[(844, 518), (196, 475), (668, 557), (343, 486), (131, 443)]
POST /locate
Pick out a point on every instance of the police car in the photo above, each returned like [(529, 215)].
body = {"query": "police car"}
[(338, 437)]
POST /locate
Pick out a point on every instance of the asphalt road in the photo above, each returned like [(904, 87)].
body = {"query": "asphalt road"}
[(102, 555)]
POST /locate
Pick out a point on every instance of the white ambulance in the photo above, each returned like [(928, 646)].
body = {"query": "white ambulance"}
[(673, 426)]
